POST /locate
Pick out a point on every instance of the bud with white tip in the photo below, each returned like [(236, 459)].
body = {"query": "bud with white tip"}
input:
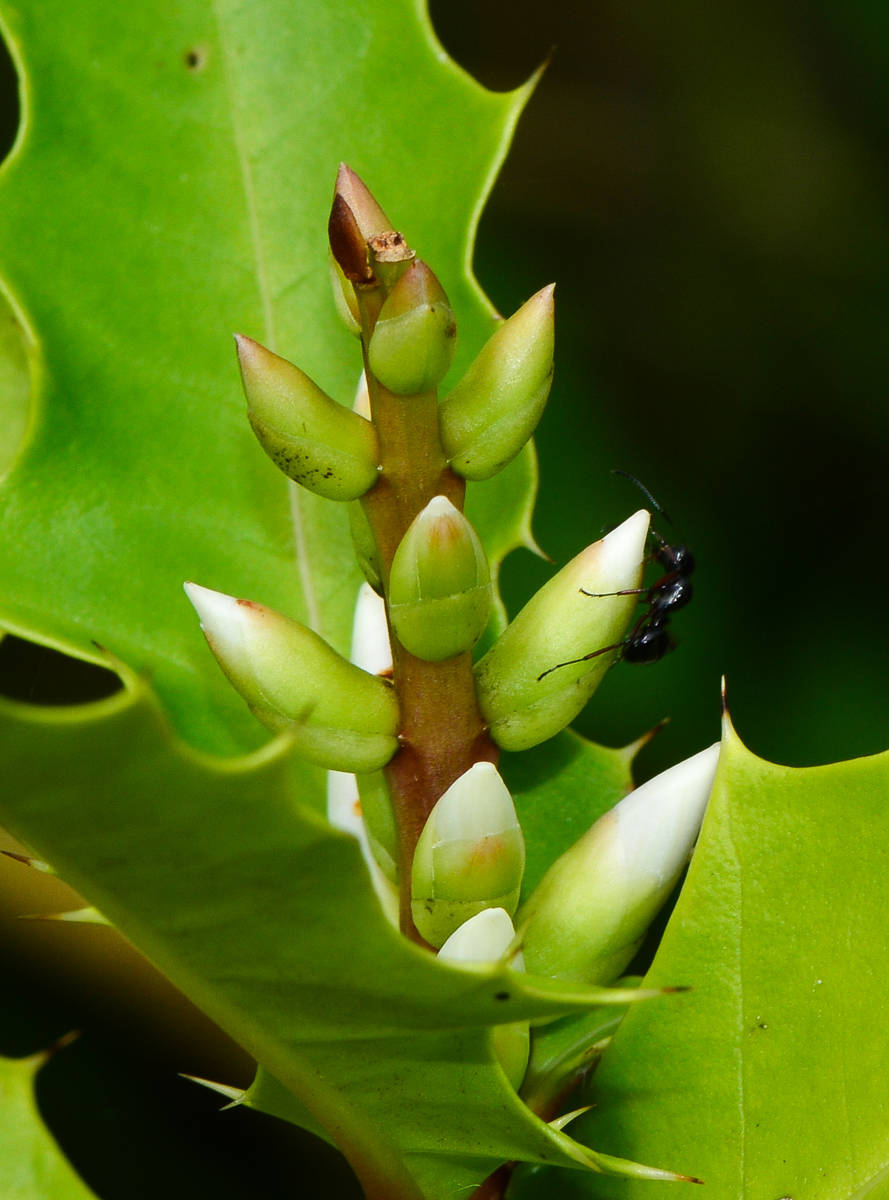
[(340, 717), (525, 694), (469, 857), (482, 941), (586, 918)]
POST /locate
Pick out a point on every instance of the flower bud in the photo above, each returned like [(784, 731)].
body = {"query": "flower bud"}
[(469, 857), (586, 918), (483, 940), (312, 439), (361, 805), (344, 298), (371, 649), (414, 339), (525, 695), (494, 409), (369, 217), (439, 584), (379, 822), (340, 717), (355, 218), (365, 546), (345, 812)]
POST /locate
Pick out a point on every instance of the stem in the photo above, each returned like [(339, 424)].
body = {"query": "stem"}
[(495, 1185), (442, 733)]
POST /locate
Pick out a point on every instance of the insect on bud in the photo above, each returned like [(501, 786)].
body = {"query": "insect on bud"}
[(469, 857), (586, 918), (312, 439), (415, 337), (340, 717), (522, 697), (482, 941), (439, 584), (494, 409)]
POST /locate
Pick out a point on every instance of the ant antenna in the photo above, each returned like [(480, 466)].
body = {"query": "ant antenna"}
[(642, 488)]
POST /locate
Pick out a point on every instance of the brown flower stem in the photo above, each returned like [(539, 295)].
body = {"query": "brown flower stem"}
[(442, 733), (494, 1187)]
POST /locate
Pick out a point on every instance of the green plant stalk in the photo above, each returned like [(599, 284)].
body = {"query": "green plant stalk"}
[(443, 733)]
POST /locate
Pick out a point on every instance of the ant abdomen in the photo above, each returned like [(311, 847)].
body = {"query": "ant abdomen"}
[(648, 646)]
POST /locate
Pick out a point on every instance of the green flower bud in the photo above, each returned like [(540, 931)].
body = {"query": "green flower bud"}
[(494, 409), (355, 218), (521, 696), (469, 857), (315, 441), (365, 546), (439, 584), (352, 800), (415, 337), (345, 812), (379, 822), (369, 217), (344, 298), (482, 941), (586, 918), (340, 717)]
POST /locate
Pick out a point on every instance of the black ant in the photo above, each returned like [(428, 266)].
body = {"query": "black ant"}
[(650, 639)]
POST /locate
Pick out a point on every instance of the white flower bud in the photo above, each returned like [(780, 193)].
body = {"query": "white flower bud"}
[(483, 940), (469, 857), (588, 914)]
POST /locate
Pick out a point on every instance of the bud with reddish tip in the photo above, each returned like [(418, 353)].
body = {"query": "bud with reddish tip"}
[(482, 941), (340, 717), (355, 218), (494, 409), (469, 857), (369, 217), (415, 336), (440, 584), (315, 441), (525, 693), (586, 918)]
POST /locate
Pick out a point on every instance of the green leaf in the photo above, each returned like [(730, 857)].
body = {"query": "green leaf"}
[(171, 186), (768, 1078), (32, 1167), (265, 916)]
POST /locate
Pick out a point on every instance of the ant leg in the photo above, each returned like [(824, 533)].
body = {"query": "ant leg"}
[(626, 592), (573, 661)]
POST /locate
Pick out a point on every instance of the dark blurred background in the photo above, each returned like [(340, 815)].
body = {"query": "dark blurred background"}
[(707, 182)]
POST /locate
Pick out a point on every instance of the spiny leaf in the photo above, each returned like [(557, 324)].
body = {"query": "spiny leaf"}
[(768, 1077), (32, 1167), (265, 916)]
